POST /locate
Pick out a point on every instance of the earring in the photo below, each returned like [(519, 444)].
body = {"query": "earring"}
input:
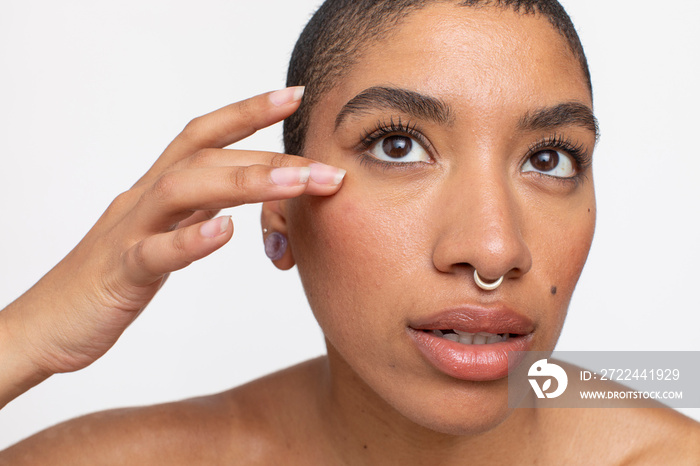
[(275, 246), (485, 285)]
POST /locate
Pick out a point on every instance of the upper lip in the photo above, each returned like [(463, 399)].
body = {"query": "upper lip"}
[(474, 319)]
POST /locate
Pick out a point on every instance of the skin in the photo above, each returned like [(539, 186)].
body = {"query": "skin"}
[(74, 314), (429, 226), (393, 245)]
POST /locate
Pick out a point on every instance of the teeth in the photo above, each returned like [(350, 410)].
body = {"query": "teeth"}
[(479, 339), (468, 338)]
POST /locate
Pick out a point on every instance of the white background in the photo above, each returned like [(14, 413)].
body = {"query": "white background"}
[(91, 92)]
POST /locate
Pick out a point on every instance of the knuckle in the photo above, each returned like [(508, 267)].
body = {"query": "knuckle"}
[(121, 203), (245, 109), (137, 255), (279, 160), (202, 158), (240, 178), (164, 187), (247, 116), (179, 243), (191, 129)]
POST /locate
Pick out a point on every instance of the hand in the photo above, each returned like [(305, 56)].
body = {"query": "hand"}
[(75, 313)]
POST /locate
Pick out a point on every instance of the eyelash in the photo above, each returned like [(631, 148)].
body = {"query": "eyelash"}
[(576, 151), (383, 129)]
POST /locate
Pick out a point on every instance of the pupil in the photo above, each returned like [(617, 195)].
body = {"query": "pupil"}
[(546, 160), (397, 147)]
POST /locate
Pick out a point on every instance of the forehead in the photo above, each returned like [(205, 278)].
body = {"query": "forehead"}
[(486, 59)]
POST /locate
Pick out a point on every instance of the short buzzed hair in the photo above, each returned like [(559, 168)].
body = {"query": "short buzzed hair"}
[(340, 30)]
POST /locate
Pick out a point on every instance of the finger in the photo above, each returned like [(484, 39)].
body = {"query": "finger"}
[(198, 217), (149, 260), (176, 195), (233, 157), (321, 175), (229, 124)]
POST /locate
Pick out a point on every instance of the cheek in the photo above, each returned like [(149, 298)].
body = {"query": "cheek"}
[(356, 251), (570, 247), (559, 254)]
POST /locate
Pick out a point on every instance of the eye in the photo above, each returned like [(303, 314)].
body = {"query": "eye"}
[(398, 148), (550, 162)]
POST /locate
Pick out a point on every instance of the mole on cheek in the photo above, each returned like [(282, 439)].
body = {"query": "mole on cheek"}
[(553, 290)]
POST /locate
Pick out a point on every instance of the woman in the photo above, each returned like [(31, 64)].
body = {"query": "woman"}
[(392, 257)]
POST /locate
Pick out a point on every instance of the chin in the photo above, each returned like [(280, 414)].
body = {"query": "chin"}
[(466, 411), (413, 396), (473, 428)]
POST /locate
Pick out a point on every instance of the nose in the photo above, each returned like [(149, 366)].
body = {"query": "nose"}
[(480, 226)]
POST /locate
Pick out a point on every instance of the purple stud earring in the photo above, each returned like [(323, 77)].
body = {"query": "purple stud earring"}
[(275, 246)]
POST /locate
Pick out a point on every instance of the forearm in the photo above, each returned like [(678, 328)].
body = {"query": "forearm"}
[(18, 373)]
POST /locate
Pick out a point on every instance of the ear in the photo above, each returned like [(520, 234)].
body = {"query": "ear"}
[(273, 219)]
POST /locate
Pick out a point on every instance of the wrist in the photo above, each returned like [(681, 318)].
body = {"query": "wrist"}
[(18, 373)]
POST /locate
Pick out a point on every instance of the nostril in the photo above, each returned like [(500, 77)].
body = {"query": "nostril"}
[(494, 248), (462, 268)]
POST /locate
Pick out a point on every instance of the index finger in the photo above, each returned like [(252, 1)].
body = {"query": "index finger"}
[(230, 124)]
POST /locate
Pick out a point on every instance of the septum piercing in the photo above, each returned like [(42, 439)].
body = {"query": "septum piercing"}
[(485, 285)]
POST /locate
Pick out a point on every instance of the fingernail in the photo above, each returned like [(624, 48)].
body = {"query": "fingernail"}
[(290, 176), (215, 227), (286, 96), (325, 174)]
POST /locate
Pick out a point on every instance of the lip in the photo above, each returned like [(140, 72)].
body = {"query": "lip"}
[(473, 362)]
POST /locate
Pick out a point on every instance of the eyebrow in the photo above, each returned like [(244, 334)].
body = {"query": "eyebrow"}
[(565, 114), (414, 104)]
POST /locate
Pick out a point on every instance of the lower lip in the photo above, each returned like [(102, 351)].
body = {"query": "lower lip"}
[(471, 362)]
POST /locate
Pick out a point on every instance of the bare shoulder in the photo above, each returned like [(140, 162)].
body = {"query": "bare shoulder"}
[(638, 434), (240, 425), (283, 410), (159, 434), (666, 437)]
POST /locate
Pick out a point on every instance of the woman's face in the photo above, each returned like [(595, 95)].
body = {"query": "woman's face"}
[(468, 147)]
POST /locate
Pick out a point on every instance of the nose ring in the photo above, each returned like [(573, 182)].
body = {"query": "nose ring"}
[(485, 285)]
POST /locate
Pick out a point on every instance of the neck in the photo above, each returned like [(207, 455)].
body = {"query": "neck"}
[(362, 428)]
